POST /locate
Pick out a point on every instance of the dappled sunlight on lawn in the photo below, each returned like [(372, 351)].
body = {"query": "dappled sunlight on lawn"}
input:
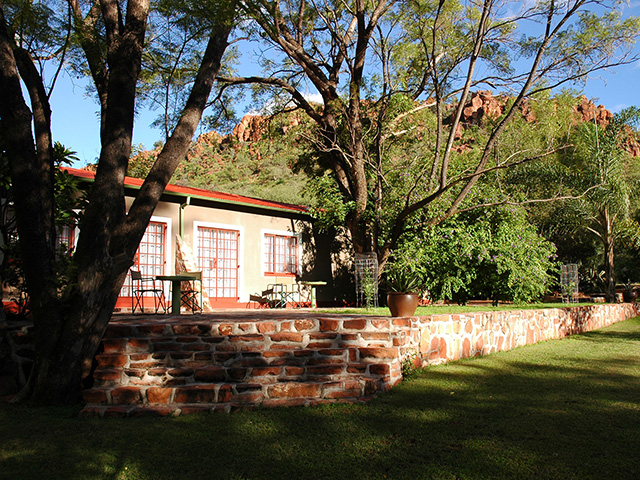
[(560, 409)]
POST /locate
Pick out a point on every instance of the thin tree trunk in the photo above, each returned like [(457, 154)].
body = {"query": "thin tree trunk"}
[(609, 270)]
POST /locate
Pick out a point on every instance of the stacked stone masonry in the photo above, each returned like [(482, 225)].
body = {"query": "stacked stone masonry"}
[(442, 338), (229, 360), (204, 363)]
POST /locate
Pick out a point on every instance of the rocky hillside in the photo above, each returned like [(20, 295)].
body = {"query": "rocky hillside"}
[(486, 104), (258, 156), (257, 159), (483, 103)]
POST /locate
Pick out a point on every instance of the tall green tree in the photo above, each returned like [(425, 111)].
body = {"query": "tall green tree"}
[(395, 77), (605, 175), (107, 40)]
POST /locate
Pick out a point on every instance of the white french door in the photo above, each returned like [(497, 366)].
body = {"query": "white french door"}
[(218, 260)]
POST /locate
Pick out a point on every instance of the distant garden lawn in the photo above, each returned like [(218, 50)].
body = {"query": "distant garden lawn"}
[(446, 309), (562, 409)]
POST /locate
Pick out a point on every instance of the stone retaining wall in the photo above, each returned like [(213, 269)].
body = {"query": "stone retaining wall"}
[(279, 358), (441, 338), (228, 360)]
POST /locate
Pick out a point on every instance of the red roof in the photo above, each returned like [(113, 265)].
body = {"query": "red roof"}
[(199, 192)]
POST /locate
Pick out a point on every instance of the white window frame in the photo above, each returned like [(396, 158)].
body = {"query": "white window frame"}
[(224, 226), (167, 249), (263, 251)]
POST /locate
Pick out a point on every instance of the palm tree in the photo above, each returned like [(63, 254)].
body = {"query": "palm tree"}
[(603, 174)]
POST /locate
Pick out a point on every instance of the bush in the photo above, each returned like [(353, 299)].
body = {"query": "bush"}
[(491, 254)]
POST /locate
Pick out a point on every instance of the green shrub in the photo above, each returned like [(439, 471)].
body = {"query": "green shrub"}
[(491, 254)]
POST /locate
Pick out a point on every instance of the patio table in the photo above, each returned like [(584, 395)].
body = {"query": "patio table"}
[(313, 285), (176, 292)]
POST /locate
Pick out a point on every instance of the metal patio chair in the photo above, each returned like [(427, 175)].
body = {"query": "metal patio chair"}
[(293, 295), (191, 297), (146, 285), (277, 295)]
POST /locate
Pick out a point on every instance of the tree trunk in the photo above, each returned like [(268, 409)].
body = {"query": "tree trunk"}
[(609, 270), (350, 173), (63, 363), (70, 323)]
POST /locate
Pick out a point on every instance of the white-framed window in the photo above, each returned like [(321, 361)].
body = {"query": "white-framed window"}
[(281, 253), (66, 238), (219, 252), (153, 252)]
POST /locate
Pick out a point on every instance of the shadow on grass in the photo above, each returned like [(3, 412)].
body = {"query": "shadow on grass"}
[(626, 336), (564, 409)]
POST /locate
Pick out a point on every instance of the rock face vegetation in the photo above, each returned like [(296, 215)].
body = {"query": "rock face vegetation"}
[(258, 159), (262, 153)]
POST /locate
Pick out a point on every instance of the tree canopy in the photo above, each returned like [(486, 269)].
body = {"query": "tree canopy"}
[(383, 67), (604, 172)]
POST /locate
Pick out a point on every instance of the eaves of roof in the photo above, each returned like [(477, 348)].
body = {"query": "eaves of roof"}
[(202, 194)]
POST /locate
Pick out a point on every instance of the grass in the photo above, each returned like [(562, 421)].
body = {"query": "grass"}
[(449, 309), (563, 409)]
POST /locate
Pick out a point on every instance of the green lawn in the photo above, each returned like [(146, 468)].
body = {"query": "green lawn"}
[(448, 309), (565, 409)]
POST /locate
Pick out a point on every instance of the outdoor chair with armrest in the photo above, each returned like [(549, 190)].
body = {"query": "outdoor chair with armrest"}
[(261, 299), (191, 297), (146, 285), (282, 295), (294, 295), (276, 295)]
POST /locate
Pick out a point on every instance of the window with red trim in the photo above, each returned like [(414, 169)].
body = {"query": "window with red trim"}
[(65, 238), (281, 254), (218, 261), (150, 257)]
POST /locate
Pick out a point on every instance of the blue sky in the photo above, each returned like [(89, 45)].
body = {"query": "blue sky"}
[(75, 121)]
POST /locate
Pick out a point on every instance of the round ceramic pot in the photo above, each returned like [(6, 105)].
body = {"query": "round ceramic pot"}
[(629, 297), (402, 304)]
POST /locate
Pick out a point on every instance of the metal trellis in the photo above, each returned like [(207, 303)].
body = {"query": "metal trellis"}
[(569, 283), (366, 278)]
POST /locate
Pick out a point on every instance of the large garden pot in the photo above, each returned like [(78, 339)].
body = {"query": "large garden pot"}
[(629, 296), (402, 304)]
